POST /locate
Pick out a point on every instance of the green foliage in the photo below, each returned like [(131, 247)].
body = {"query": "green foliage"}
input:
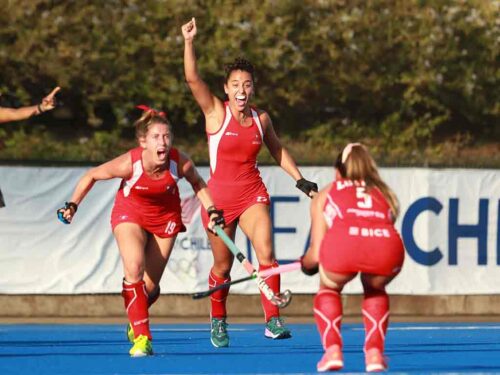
[(405, 77)]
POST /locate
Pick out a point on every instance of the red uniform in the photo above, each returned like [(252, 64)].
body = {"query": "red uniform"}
[(361, 236), (235, 182), (153, 204)]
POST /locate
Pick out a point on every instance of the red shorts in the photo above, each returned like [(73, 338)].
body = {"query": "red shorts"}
[(351, 248), (234, 199), (164, 226)]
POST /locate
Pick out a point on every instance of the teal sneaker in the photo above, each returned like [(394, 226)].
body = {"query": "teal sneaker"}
[(142, 347), (275, 329), (130, 333), (218, 333)]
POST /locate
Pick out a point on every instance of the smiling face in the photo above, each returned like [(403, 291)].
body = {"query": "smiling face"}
[(239, 89), (157, 142)]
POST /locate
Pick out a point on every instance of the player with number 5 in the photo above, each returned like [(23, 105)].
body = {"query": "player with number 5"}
[(146, 216), (353, 232)]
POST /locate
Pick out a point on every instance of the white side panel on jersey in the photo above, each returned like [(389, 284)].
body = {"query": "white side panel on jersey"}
[(255, 116), (331, 211), (136, 174), (214, 140), (174, 170)]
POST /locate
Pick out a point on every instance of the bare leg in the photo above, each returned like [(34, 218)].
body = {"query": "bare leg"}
[(158, 252)]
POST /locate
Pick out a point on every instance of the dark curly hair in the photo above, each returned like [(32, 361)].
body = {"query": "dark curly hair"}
[(239, 63)]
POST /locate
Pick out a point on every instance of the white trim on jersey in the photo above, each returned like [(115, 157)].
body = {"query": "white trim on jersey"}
[(331, 211), (214, 140), (174, 170), (137, 172), (255, 116)]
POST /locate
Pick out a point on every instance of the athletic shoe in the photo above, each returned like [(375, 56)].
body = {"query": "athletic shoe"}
[(130, 333), (142, 347), (375, 361), (218, 333), (332, 359), (275, 329)]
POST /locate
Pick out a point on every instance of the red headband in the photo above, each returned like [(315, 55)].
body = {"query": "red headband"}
[(145, 108)]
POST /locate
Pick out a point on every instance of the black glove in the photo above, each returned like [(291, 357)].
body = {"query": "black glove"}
[(216, 216), (67, 205), (306, 186), (308, 271)]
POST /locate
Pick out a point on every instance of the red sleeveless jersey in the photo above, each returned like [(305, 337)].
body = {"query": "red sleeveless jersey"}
[(154, 204), (361, 236), (234, 148), (349, 201), (235, 183)]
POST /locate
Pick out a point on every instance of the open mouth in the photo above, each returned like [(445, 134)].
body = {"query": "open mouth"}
[(241, 100), (162, 154)]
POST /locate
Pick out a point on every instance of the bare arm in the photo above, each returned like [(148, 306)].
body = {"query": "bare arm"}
[(278, 152), (198, 184), (16, 114), (310, 260), (201, 190), (211, 106), (118, 167), (283, 157)]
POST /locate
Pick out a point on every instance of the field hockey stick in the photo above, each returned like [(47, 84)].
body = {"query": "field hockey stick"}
[(281, 300), (266, 273)]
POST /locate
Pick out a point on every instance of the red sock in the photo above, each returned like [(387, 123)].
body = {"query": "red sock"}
[(376, 319), (274, 282), (328, 316), (218, 298), (136, 304)]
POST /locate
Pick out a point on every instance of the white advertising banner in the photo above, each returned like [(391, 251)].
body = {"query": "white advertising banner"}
[(449, 222)]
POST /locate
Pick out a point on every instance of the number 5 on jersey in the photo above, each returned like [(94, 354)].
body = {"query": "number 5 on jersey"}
[(364, 200)]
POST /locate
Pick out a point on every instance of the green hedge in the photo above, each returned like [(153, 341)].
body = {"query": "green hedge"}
[(417, 80)]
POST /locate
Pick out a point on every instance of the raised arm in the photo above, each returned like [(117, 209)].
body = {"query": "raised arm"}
[(283, 157), (16, 114), (200, 188), (211, 106), (118, 167)]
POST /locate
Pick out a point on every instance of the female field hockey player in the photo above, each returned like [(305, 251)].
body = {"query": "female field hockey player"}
[(146, 216), (353, 232), (236, 131)]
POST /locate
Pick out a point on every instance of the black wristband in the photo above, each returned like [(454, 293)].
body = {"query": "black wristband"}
[(72, 205), (212, 209), (39, 107)]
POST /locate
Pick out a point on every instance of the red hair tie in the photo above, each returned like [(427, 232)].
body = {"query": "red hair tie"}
[(145, 108)]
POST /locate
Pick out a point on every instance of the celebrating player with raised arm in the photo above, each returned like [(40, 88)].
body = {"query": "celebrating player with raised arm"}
[(236, 131)]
